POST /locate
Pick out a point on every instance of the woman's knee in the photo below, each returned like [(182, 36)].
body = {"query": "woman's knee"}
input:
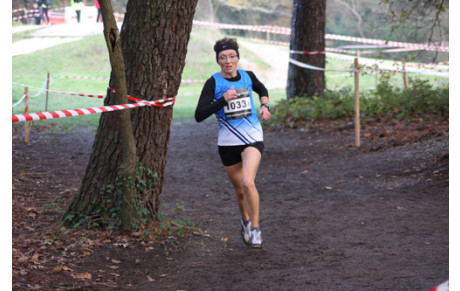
[(248, 185)]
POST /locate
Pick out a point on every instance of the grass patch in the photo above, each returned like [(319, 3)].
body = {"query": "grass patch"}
[(89, 57)]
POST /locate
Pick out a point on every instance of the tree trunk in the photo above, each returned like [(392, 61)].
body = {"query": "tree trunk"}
[(154, 38), (308, 28), (118, 80)]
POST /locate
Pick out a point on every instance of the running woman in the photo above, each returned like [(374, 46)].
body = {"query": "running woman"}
[(228, 95)]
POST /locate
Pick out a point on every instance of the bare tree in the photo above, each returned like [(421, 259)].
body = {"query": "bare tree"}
[(425, 17), (353, 7)]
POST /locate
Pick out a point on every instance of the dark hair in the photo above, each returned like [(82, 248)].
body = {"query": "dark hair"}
[(224, 44)]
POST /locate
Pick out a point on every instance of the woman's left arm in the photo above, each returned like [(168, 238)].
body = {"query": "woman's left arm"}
[(260, 89), (264, 108)]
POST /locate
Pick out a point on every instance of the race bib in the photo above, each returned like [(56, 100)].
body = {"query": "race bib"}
[(240, 106)]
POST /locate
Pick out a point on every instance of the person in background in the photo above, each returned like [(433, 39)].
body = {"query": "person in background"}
[(44, 5), (228, 95), (77, 5), (99, 13), (37, 16)]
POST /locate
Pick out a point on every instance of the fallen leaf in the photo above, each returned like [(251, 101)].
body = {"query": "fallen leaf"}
[(23, 259), (82, 276), (124, 245), (32, 212), (59, 269), (150, 278)]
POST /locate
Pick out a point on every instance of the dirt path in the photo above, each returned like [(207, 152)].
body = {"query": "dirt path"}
[(276, 77), (333, 217)]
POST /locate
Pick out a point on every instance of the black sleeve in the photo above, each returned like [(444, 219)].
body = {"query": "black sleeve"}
[(257, 86), (206, 107)]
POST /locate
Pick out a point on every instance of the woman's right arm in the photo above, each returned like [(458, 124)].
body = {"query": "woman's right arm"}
[(206, 107)]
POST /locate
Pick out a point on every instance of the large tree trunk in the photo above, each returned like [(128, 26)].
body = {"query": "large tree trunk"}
[(154, 38), (308, 28)]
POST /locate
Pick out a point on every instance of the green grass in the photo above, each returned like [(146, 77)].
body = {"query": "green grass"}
[(89, 57)]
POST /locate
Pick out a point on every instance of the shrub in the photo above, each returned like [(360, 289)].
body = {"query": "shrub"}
[(420, 100)]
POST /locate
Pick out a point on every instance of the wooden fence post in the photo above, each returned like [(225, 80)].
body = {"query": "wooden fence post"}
[(404, 75), (356, 101), (26, 110), (46, 93)]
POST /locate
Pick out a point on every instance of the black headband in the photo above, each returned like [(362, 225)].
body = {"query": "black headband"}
[(226, 46)]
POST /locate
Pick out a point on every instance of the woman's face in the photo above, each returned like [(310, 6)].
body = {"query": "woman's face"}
[(228, 61)]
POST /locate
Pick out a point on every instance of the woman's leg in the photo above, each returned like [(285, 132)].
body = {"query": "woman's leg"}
[(47, 16), (234, 174), (251, 161), (242, 176)]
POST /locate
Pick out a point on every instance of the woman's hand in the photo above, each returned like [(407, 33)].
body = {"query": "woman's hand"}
[(264, 113), (231, 94)]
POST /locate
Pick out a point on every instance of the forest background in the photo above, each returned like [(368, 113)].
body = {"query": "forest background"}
[(366, 18)]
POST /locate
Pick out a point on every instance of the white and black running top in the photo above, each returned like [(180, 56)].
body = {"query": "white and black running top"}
[(237, 119)]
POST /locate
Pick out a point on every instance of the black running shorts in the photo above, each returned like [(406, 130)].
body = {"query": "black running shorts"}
[(231, 155)]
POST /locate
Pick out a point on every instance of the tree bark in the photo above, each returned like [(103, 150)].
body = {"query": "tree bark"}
[(308, 28), (154, 38), (118, 80)]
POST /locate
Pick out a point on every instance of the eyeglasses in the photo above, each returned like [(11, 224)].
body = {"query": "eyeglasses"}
[(224, 58)]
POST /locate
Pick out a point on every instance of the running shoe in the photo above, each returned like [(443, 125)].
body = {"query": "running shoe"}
[(256, 237), (246, 232)]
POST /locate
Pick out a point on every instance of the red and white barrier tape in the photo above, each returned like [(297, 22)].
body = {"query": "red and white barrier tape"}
[(307, 66), (428, 64), (262, 28), (441, 287), (35, 10), (304, 52), (287, 31), (92, 110), (387, 43), (82, 78), (323, 52), (26, 16), (100, 96), (18, 10), (65, 93), (106, 79), (32, 12)]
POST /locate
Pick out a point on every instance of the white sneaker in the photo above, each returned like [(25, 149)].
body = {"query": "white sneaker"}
[(256, 238), (246, 232)]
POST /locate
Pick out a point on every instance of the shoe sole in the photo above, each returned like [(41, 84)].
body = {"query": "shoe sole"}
[(257, 246)]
